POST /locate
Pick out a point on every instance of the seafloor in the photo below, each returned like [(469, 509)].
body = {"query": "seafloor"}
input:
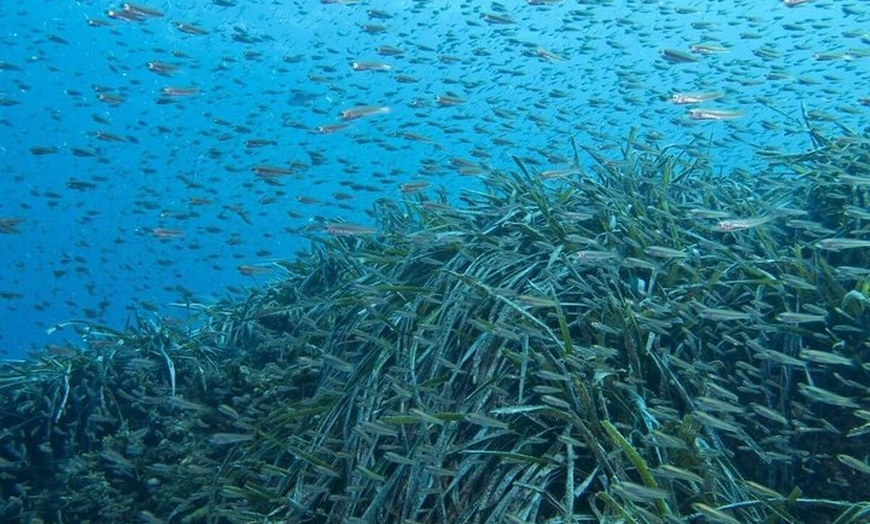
[(637, 341)]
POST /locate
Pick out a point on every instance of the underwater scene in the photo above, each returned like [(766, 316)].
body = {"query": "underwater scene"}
[(434, 261)]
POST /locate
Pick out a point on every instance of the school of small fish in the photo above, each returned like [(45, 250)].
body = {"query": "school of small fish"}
[(154, 149)]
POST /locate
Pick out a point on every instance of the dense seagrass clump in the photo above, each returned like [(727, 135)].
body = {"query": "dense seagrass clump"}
[(641, 341)]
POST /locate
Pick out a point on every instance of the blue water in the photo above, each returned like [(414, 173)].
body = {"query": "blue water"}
[(276, 70)]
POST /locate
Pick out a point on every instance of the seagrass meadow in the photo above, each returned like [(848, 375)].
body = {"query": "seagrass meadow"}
[(639, 340)]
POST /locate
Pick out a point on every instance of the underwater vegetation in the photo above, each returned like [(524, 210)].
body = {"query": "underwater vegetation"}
[(641, 341)]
